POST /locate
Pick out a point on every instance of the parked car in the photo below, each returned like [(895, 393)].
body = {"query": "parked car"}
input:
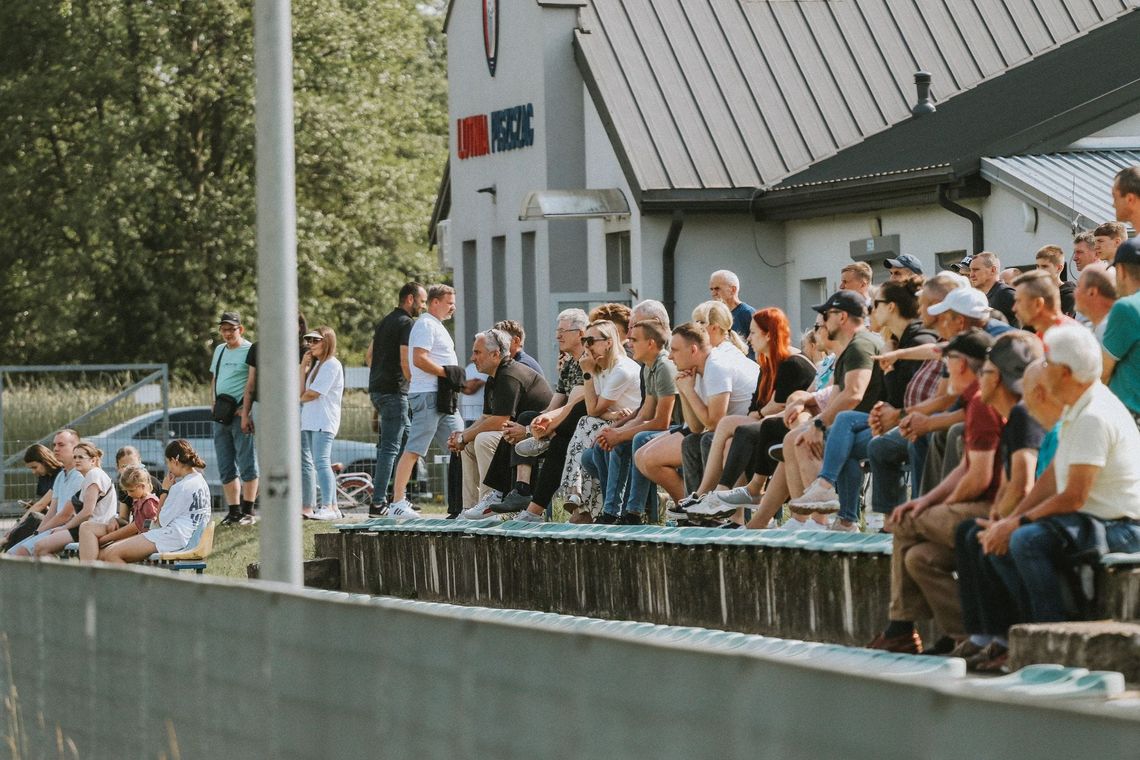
[(194, 424)]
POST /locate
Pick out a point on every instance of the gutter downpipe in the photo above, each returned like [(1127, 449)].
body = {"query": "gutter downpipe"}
[(974, 218), (669, 264)]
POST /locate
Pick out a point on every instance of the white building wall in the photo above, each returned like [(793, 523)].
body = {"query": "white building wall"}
[(1006, 233)]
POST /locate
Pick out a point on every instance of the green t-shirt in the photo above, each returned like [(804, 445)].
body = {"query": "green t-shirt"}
[(232, 372), (1121, 338), (857, 355), (660, 377)]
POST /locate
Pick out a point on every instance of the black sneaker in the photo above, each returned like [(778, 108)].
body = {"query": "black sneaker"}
[(631, 518), (606, 518), (233, 518), (452, 516), (378, 509), (512, 502)]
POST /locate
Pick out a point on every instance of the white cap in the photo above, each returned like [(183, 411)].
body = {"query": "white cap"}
[(969, 302)]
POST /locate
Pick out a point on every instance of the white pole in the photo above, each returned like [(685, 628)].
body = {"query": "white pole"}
[(278, 419)]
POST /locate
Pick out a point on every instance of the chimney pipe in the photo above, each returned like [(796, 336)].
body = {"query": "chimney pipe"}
[(924, 105)]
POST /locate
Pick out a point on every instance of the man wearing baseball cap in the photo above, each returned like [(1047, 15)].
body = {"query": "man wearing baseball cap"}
[(922, 561), (904, 267), (1121, 341), (981, 593), (233, 447), (973, 309), (859, 383)]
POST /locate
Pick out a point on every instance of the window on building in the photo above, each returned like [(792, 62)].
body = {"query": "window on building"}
[(618, 276), (499, 277), (529, 282), (949, 259), (812, 292), (470, 299)]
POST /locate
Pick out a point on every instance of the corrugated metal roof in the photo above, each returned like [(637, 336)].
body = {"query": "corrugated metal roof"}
[(1075, 186), (701, 94)]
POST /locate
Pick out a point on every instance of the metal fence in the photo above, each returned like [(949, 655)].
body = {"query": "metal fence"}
[(117, 405), (136, 663)]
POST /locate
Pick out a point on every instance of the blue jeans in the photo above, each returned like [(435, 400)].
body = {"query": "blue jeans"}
[(642, 492), (846, 446), (316, 454), (394, 424), (235, 452), (611, 470), (889, 454), (1029, 569)]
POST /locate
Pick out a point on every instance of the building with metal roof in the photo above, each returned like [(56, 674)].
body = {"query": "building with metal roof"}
[(776, 138)]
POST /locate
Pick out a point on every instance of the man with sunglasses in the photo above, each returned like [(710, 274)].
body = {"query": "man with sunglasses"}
[(924, 528)]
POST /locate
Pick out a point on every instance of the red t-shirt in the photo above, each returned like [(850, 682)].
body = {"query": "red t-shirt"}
[(144, 509), (983, 433)]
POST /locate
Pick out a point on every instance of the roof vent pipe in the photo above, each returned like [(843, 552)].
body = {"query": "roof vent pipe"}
[(922, 84)]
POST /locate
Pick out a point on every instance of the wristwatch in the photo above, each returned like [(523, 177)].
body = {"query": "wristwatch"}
[(587, 376), (819, 425)]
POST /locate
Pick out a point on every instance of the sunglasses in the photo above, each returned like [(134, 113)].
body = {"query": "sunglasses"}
[(590, 340), (313, 340)]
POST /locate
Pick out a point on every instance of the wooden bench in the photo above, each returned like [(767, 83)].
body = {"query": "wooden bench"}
[(190, 559)]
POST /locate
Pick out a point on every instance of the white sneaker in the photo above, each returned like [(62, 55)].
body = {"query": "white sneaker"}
[(876, 521), (792, 524), (327, 513), (402, 509), (532, 447), (527, 516), (838, 526), (820, 496), (739, 496), (482, 510), (711, 507)]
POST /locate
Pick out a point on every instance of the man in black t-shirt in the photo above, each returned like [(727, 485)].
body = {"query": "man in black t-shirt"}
[(389, 372), (512, 388), (984, 271)]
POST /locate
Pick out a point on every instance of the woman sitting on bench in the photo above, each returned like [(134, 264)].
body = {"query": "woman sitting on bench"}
[(96, 500), (184, 513)]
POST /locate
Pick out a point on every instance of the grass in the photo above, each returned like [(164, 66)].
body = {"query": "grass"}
[(236, 547)]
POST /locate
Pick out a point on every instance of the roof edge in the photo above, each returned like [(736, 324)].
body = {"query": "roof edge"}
[(608, 124)]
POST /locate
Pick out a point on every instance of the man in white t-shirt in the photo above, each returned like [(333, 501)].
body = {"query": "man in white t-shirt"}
[(1087, 502), (704, 401), (67, 483), (432, 350)]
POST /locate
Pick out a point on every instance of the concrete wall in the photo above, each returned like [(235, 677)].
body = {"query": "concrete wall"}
[(130, 663)]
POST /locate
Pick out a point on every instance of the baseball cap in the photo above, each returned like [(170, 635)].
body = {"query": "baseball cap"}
[(230, 318), (1127, 252), (965, 263), (1011, 357), (313, 334), (844, 300), (969, 302), (974, 343), (906, 261)]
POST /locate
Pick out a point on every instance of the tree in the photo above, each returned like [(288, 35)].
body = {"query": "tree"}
[(127, 141)]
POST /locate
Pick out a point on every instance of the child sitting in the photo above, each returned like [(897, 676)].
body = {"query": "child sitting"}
[(137, 483)]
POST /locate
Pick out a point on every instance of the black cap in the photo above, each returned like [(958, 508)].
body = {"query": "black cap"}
[(1127, 252), (974, 343), (906, 261), (1011, 357), (230, 318), (844, 300)]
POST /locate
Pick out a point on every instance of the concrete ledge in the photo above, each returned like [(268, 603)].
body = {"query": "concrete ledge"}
[(787, 592), (812, 586), (1103, 645)]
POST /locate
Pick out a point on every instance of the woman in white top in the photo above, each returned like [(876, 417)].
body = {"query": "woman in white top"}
[(612, 384), (717, 321), (322, 387), (183, 514), (96, 500)]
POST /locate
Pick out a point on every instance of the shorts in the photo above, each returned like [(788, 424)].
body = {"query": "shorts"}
[(427, 423)]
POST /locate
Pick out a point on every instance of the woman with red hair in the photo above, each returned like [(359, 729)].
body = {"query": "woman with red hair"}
[(783, 370)]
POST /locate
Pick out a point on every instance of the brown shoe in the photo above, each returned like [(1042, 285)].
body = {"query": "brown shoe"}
[(992, 659), (965, 649), (906, 644)]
